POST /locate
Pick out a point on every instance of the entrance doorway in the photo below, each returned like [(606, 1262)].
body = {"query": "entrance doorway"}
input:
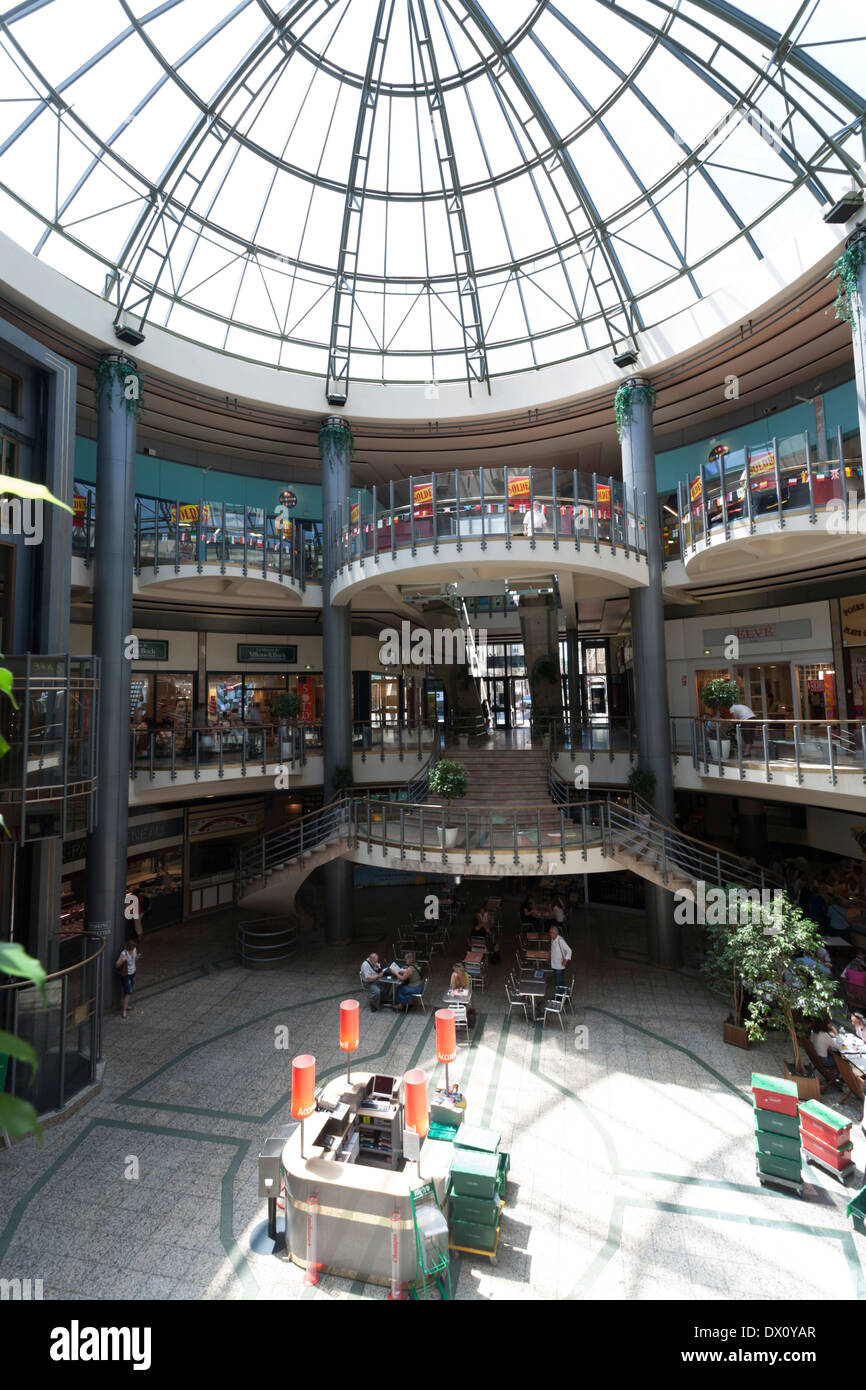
[(507, 686)]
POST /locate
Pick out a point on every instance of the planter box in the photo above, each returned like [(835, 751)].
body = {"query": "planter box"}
[(772, 1122), (735, 1035), (451, 833), (772, 1093), (713, 749), (808, 1087)]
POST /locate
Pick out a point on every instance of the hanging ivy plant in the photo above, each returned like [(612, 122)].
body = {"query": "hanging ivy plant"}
[(847, 270), (624, 402), (130, 380), (338, 434)]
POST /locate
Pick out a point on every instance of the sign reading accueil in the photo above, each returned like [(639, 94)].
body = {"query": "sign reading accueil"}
[(287, 656)]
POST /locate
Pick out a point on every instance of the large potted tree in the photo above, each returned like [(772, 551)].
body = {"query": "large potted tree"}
[(720, 969), (777, 960), (448, 781), (718, 695)]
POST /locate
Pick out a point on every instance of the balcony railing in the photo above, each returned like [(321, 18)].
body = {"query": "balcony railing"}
[(750, 486), (568, 509), (48, 777), (761, 747), (256, 748), (65, 1030), (178, 535)]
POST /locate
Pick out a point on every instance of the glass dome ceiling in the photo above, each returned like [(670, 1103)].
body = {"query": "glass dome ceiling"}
[(420, 190)]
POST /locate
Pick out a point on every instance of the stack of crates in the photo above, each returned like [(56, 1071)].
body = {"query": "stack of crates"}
[(477, 1177), (826, 1137), (777, 1130)]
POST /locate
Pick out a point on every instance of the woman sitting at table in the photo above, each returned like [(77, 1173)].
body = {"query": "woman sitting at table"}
[(557, 910), (857, 966), (858, 1023), (825, 1040), (410, 981), (460, 978)]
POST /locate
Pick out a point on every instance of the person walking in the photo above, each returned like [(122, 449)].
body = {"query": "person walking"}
[(126, 966), (560, 955)]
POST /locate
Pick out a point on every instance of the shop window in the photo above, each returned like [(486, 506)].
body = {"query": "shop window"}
[(10, 393), (8, 457), (816, 685)]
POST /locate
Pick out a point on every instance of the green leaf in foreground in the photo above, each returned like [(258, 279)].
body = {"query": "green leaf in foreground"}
[(18, 1117)]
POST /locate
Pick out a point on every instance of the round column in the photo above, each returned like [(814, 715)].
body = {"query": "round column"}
[(112, 625), (335, 446), (652, 719)]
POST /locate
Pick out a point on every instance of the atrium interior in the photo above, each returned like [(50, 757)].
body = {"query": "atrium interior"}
[(432, 585)]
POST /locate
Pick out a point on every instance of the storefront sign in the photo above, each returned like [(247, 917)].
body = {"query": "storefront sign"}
[(422, 498), (356, 513), (518, 489), (286, 656), (858, 683), (79, 508), (189, 514), (696, 490), (762, 632), (152, 651), (762, 462), (289, 499), (854, 621), (306, 691), (237, 818)]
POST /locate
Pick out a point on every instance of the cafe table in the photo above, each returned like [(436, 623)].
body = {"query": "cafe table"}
[(473, 958), (543, 957), (532, 990), (456, 996)]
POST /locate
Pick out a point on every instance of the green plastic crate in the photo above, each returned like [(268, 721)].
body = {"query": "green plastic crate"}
[(446, 1132), (780, 1145), (468, 1235), (856, 1209), (777, 1167), (478, 1211), (474, 1174), (771, 1122), (830, 1119), (473, 1137), (773, 1083), (502, 1176)]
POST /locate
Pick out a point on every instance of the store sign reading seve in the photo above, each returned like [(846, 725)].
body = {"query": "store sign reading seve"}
[(854, 621), (152, 651), (287, 656), (761, 632)]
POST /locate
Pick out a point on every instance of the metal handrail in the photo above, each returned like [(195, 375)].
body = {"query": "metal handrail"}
[(272, 939)]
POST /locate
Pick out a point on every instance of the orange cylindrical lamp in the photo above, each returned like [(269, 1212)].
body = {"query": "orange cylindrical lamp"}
[(350, 1014), (303, 1090), (446, 1038), (415, 1101)]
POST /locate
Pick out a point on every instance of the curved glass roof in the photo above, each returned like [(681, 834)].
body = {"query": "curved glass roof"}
[(417, 190)]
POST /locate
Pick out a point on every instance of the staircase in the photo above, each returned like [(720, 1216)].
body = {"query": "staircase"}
[(504, 778)]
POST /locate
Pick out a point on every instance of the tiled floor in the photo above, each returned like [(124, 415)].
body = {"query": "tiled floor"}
[(632, 1148)]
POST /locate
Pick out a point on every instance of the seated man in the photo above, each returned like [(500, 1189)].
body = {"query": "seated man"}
[(410, 982), (528, 913), (371, 973)]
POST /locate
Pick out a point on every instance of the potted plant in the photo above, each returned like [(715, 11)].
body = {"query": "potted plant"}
[(720, 969), (719, 695), (448, 781), (286, 708), (785, 988)]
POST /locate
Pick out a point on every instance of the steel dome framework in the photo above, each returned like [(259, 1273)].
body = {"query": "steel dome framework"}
[(409, 190)]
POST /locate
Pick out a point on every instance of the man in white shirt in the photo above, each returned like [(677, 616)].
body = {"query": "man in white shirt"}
[(560, 955), (740, 713), (371, 973)]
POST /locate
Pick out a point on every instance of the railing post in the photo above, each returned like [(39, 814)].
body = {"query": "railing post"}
[(412, 511), (224, 540), (583, 829), (507, 510), (539, 855), (833, 778), (595, 512), (555, 512), (811, 481), (442, 832), (694, 745), (797, 752), (778, 481), (718, 869), (151, 757), (704, 515), (724, 498), (457, 509), (156, 537), (481, 472), (402, 832), (738, 731), (612, 522), (177, 537), (173, 757), (221, 766), (435, 515), (391, 520), (137, 534), (421, 832), (750, 510), (575, 506), (625, 540), (681, 520), (767, 772), (531, 510), (466, 836)]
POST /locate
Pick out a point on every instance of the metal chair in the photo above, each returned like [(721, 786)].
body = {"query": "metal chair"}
[(515, 1003), (555, 1006), (460, 1021), (419, 998), (565, 992)]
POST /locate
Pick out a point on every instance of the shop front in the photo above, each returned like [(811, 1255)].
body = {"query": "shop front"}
[(154, 870), (214, 834)]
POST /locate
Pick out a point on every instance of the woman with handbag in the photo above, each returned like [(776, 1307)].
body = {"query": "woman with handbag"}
[(126, 966)]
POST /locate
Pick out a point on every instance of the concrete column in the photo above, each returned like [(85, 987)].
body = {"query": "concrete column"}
[(112, 625), (335, 445), (858, 330), (650, 668), (574, 710)]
